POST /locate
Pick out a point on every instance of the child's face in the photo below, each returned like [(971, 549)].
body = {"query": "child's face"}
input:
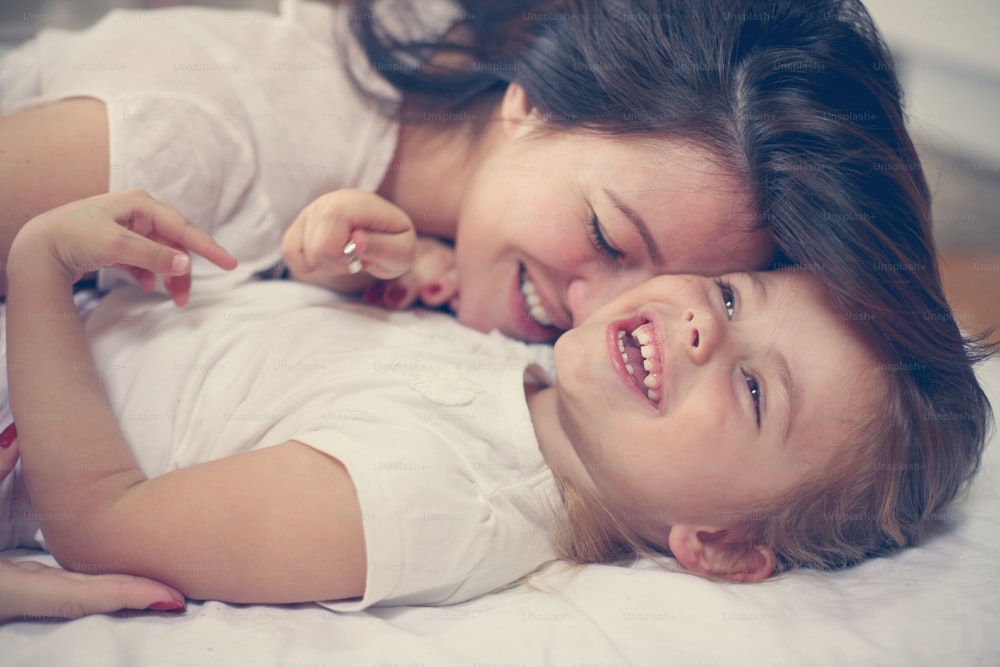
[(525, 225), (751, 389)]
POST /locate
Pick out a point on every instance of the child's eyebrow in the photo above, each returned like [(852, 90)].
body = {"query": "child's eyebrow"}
[(785, 376), (640, 225), (782, 369), (758, 285)]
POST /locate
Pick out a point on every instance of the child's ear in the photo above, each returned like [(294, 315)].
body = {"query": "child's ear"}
[(710, 552), (516, 109)]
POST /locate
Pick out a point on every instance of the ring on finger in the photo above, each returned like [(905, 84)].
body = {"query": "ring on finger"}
[(350, 252)]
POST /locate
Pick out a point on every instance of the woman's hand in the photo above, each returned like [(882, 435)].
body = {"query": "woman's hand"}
[(315, 248), (130, 230), (432, 282), (31, 591)]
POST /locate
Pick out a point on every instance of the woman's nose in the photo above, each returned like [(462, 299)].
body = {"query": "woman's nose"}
[(585, 294), (702, 335)]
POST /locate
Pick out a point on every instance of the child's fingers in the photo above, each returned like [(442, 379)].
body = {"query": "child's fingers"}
[(143, 254), (179, 288), (192, 239), (146, 216)]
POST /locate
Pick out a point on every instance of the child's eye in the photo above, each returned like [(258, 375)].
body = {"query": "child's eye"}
[(728, 297), (600, 241), (754, 388)]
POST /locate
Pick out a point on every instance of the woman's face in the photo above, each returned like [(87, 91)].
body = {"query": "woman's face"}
[(554, 225)]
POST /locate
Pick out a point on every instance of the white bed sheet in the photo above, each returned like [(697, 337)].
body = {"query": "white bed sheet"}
[(935, 605)]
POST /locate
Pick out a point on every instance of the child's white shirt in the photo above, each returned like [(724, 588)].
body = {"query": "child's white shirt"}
[(428, 417)]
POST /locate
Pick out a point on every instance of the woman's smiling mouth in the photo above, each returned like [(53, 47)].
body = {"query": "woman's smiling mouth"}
[(533, 302)]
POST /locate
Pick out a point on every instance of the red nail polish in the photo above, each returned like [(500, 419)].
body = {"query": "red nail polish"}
[(167, 605), (373, 294), (395, 295), (433, 289), (8, 436)]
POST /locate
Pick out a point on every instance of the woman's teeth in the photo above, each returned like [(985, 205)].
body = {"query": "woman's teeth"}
[(533, 302), (649, 376)]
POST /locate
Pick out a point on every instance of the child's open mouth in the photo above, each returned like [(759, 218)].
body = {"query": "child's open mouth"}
[(642, 358)]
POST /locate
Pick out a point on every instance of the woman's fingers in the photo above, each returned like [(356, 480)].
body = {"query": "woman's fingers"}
[(33, 591), (9, 452), (341, 229), (433, 280), (385, 255)]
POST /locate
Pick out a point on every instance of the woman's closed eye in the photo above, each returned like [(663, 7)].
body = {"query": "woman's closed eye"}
[(599, 240)]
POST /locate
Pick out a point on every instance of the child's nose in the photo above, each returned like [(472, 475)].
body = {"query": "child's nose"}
[(702, 335)]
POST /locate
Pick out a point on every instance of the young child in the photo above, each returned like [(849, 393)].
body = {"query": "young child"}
[(569, 153), (277, 445)]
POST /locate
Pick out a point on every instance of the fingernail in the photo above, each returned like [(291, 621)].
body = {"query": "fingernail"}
[(167, 605), (374, 293), (8, 436), (395, 295), (180, 263)]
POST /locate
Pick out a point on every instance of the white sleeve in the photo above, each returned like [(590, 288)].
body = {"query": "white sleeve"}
[(188, 154), (432, 534), (180, 151)]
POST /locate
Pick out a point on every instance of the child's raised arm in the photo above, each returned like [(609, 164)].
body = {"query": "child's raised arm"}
[(293, 503)]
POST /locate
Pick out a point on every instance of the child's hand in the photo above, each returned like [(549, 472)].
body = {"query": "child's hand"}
[(432, 282), (130, 230), (315, 248)]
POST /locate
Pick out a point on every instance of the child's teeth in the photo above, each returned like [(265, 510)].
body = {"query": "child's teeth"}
[(643, 338)]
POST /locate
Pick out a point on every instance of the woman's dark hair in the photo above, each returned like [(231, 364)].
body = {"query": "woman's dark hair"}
[(797, 98)]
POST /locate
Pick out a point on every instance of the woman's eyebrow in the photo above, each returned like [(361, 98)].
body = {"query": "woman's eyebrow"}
[(640, 225)]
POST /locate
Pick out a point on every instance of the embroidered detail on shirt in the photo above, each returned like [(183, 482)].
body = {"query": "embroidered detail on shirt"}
[(445, 385)]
